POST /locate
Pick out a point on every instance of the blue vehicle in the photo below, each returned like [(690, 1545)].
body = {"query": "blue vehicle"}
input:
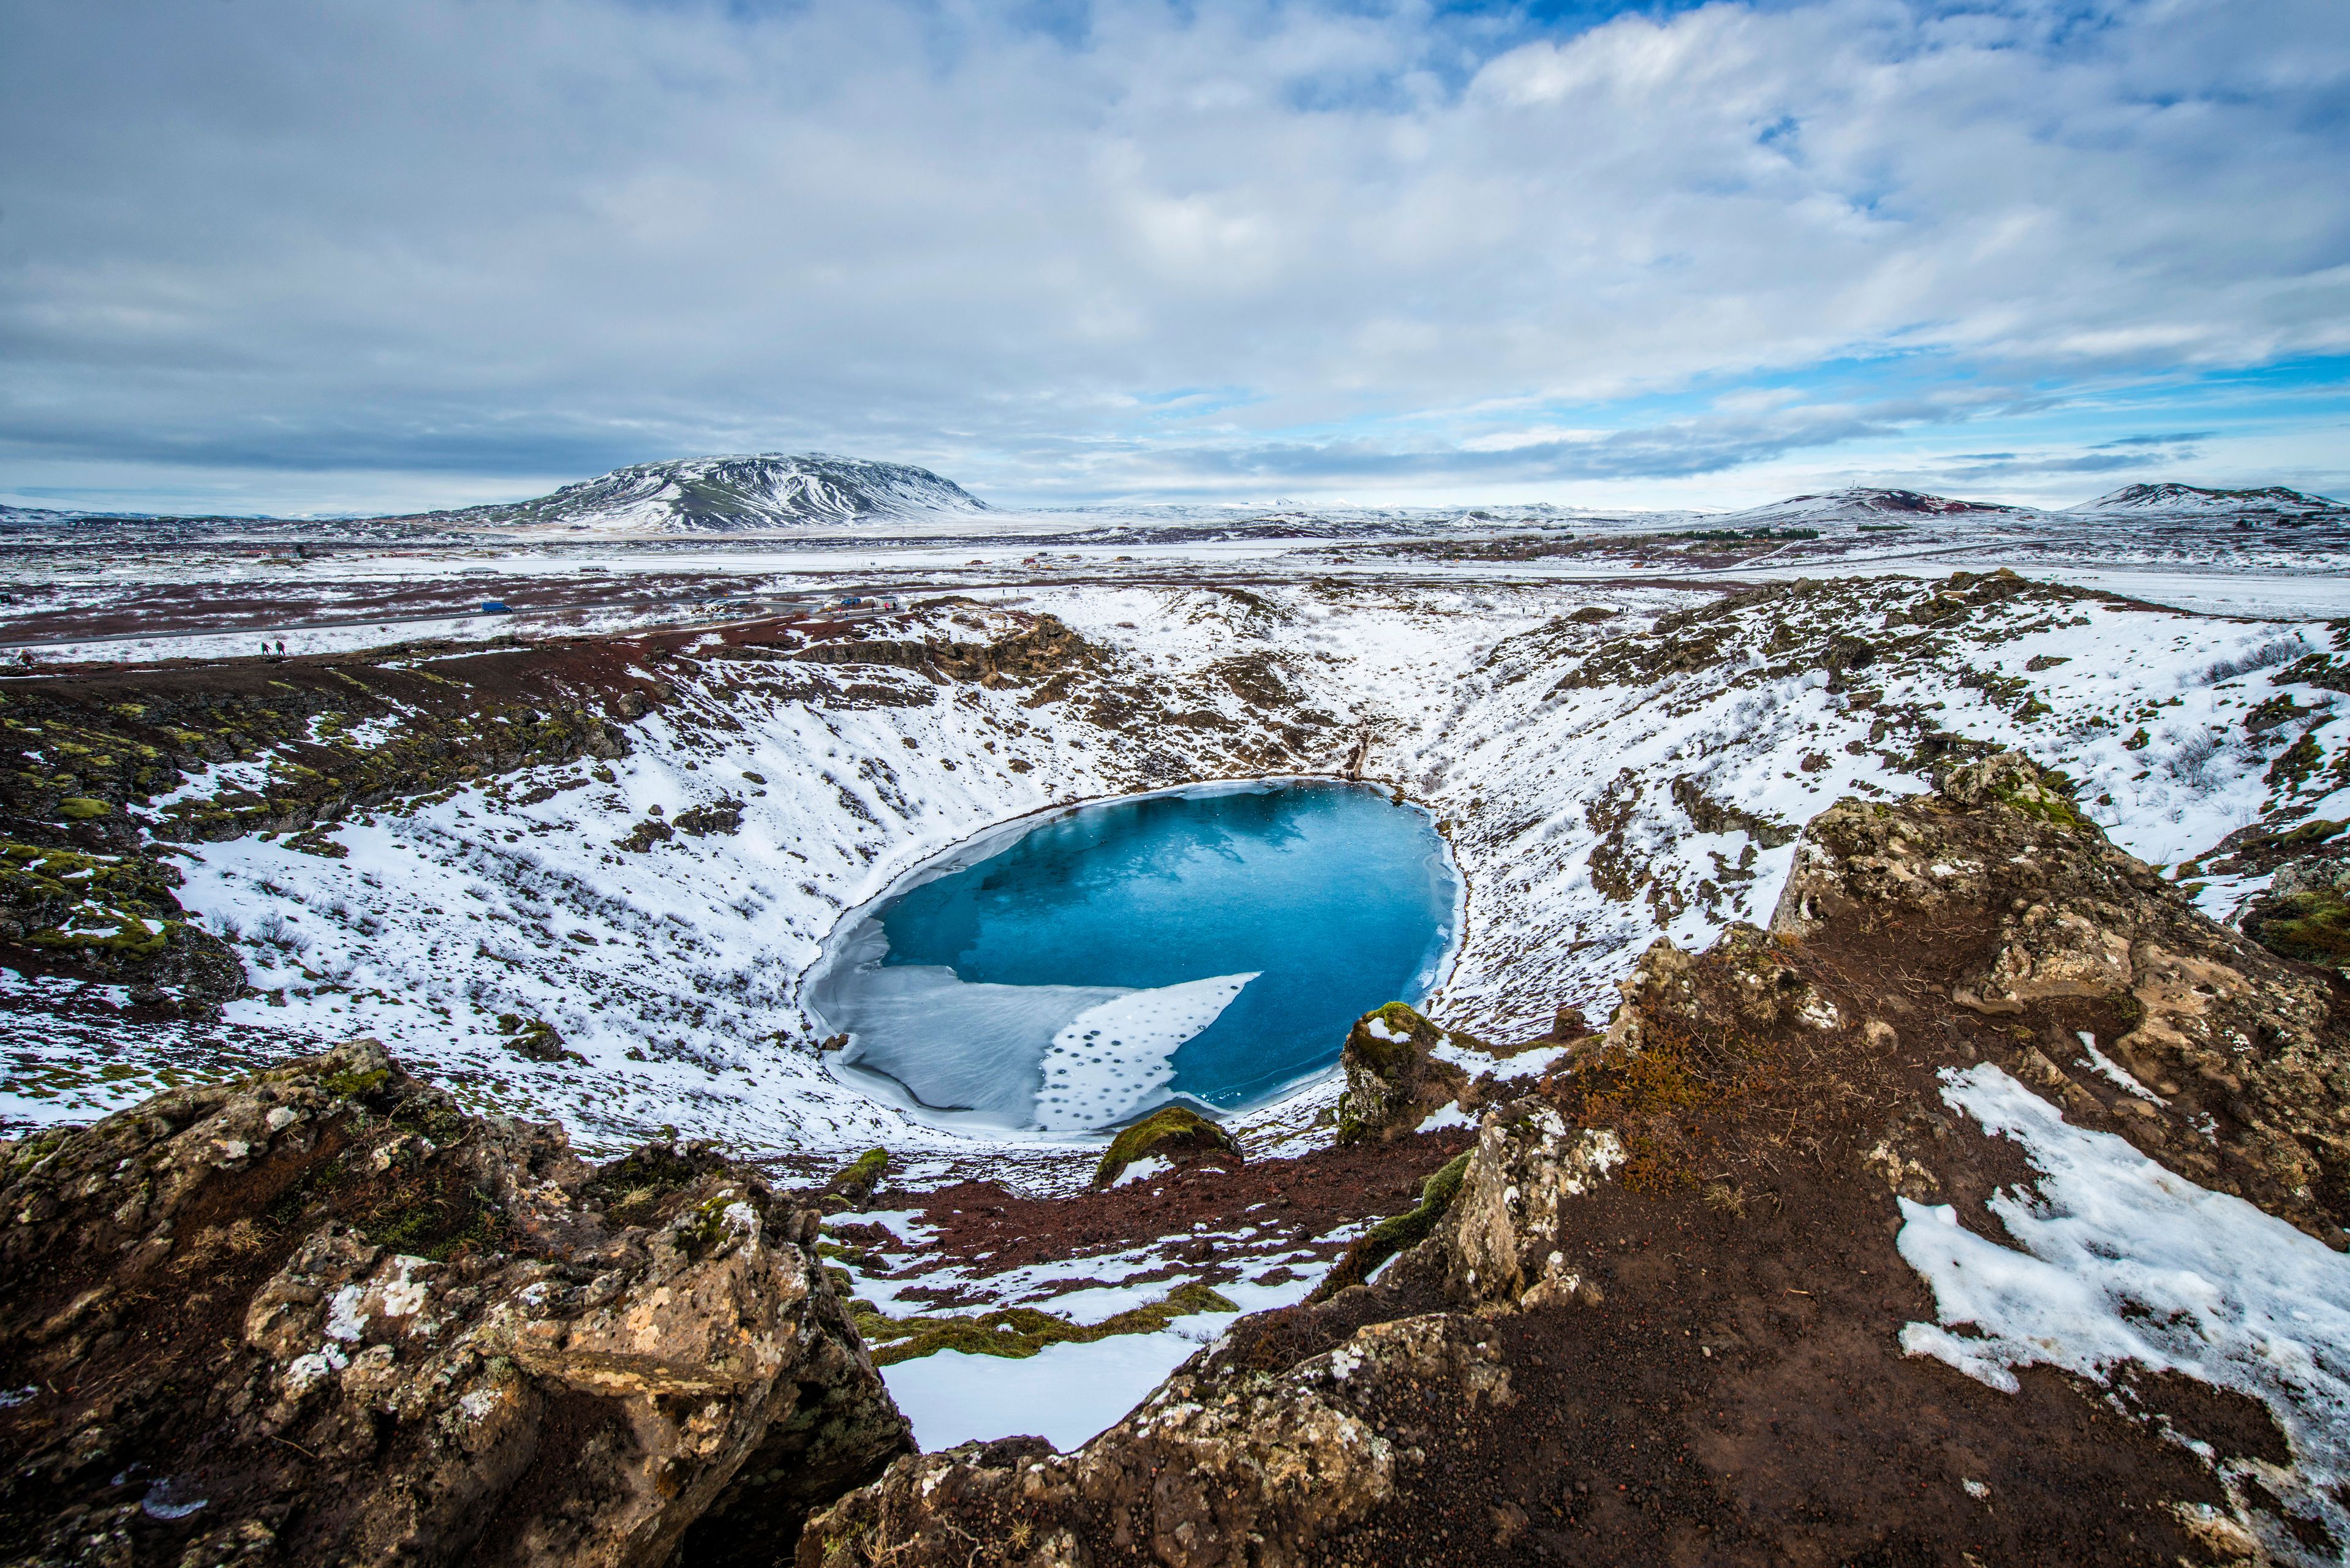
[(494, 606)]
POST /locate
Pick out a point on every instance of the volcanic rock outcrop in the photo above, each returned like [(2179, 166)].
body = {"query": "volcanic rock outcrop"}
[(1706, 1297), (323, 1315), (1393, 1080)]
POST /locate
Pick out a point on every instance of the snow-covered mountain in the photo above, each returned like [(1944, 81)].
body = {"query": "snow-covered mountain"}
[(2275, 503), (730, 495)]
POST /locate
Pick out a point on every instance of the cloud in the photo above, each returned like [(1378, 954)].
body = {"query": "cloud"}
[(2179, 438), (277, 237)]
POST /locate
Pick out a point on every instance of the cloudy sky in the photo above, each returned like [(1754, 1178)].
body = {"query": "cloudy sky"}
[(315, 255)]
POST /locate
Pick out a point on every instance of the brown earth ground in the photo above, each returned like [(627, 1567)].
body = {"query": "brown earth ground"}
[(1299, 1203)]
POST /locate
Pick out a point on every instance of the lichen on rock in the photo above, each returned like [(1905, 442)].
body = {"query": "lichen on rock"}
[(396, 1330), (1222, 1466)]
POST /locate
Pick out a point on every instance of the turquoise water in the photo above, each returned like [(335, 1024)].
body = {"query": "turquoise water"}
[(1273, 915)]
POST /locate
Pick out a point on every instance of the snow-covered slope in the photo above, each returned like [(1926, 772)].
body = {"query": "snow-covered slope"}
[(2275, 503), (728, 494), (1606, 775)]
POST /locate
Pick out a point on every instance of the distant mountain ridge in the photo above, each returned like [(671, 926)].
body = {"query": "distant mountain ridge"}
[(775, 493), (728, 494)]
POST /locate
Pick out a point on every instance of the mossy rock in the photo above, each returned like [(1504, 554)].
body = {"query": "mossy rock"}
[(2312, 926), (535, 1040), (1171, 1132), (2012, 780), (634, 1185), (1384, 1038), (853, 1185), (81, 808)]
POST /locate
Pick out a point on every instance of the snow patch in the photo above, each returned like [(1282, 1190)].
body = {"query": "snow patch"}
[(1064, 1393), (2120, 1261)]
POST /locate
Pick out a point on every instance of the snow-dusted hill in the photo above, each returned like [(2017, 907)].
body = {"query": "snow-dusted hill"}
[(2274, 504), (1863, 504), (728, 494)]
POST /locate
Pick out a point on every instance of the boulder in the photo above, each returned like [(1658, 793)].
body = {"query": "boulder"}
[(322, 1313)]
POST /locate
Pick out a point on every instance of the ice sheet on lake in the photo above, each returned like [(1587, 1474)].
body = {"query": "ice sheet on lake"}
[(1105, 1062), (955, 1045), (1063, 1058)]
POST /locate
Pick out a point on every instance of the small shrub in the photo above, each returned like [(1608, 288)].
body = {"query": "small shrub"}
[(2266, 657), (271, 930)]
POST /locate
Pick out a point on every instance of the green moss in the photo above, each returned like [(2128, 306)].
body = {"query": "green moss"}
[(355, 1085), (81, 808), (534, 1038), (2046, 802), (633, 1183), (438, 1225), (866, 1169), (1165, 1130), (852, 1186), (705, 1228), (1397, 1232), (2313, 926), (35, 1148), (1390, 1058), (436, 1117), (2299, 759)]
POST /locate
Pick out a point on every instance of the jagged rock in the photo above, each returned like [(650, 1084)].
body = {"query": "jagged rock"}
[(1499, 1238), (321, 1314), (1224, 1465), (2036, 916), (1392, 1081)]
